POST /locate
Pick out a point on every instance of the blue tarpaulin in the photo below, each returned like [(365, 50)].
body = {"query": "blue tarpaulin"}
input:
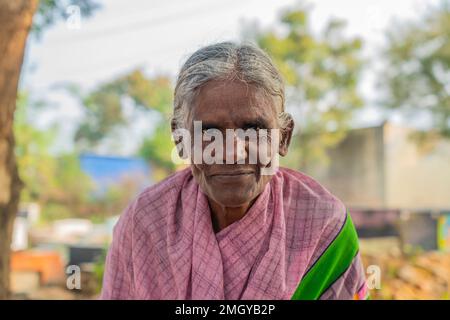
[(107, 170)]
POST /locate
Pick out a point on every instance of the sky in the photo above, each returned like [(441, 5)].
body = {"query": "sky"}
[(159, 35)]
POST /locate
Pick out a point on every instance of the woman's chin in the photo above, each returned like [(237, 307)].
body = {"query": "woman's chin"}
[(231, 199)]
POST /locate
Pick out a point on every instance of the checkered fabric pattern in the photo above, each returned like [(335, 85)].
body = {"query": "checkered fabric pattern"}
[(164, 246)]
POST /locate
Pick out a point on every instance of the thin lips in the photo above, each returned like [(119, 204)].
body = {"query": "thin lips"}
[(232, 173)]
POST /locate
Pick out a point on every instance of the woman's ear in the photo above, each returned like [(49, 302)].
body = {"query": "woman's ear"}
[(173, 125), (286, 135), (178, 139)]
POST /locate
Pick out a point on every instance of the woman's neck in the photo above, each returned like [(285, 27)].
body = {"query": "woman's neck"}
[(222, 216)]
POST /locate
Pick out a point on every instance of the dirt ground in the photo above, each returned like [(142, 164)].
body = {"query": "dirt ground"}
[(417, 275)]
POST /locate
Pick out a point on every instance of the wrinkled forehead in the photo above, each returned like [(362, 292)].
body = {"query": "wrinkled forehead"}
[(232, 104)]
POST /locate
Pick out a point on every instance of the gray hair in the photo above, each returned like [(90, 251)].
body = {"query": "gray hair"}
[(227, 61)]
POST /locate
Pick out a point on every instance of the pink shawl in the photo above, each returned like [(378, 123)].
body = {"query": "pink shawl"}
[(164, 246)]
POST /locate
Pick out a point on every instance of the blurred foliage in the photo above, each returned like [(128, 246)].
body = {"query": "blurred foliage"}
[(57, 182), (416, 75), (158, 147), (321, 73), (99, 270), (113, 200), (36, 165), (104, 114)]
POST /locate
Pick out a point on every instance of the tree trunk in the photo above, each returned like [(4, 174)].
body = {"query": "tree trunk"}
[(15, 20)]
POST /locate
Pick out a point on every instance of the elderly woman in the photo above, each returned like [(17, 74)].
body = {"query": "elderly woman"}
[(234, 230)]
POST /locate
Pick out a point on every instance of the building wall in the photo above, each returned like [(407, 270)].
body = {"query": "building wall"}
[(415, 178), (382, 167), (356, 170)]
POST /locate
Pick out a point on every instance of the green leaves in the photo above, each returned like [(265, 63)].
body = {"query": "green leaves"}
[(416, 76), (105, 113), (321, 72), (105, 106)]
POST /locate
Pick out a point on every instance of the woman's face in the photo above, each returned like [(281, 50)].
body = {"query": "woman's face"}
[(234, 105)]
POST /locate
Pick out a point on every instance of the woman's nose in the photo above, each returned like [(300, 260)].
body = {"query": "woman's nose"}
[(235, 151)]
